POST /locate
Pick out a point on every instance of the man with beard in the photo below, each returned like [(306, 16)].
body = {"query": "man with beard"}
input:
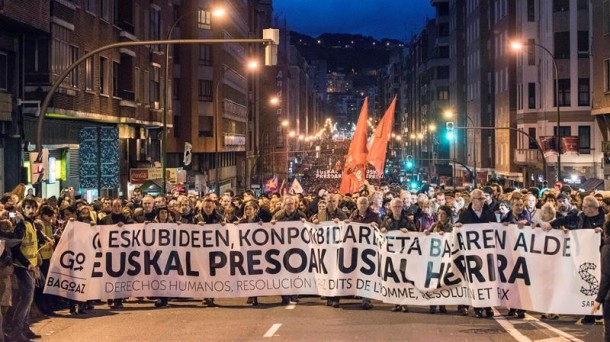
[(478, 211), (136, 198), (116, 217), (288, 213), (26, 264), (185, 210), (591, 217), (519, 216)]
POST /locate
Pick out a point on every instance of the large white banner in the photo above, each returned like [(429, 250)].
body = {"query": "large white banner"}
[(480, 265)]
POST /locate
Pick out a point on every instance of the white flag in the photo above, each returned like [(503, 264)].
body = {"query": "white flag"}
[(296, 187), (187, 153)]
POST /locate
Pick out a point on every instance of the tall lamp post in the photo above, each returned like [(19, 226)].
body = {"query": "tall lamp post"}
[(518, 46), (217, 13)]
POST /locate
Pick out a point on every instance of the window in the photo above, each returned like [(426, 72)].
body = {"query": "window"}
[(531, 10), (64, 55), (105, 10), (176, 53), (582, 5), (564, 92), (74, 73), (154, 87), (146, 84), (115, 79), (205, 54), (584, 139), (607, 75), (583, 92), (531, 95), (176, 89), (562, 45), (583, 44), (443, 51), (442, 9), (90, 6), (37, 58), (566, 131), (443, 30), (532, 145), (103, 77), (137, 92), (204, 19), (561, 5), (155, 26), (531, 52), (205, 90), (89, 72), (606, 16), (442, 72), (443, 94), (3, 71)]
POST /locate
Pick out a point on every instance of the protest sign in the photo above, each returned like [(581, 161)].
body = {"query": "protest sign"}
[(480, 265)]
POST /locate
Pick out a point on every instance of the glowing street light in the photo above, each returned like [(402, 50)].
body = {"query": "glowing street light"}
[(219, 12), (285, 123)]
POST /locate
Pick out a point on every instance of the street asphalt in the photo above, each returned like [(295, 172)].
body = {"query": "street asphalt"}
[(308, 320)]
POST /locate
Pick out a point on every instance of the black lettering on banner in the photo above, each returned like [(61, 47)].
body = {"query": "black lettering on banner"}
[(270, 258), (368, 256), (341, 260), (217, 260)]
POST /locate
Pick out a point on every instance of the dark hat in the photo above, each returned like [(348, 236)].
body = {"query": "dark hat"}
[(488, 190), (534, 191), (563, 196), (566, 188)]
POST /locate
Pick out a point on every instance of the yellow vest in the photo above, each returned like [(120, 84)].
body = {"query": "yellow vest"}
[(47, 251), (29, 244)]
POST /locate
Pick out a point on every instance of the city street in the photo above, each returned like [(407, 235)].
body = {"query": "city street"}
[(307, 320)]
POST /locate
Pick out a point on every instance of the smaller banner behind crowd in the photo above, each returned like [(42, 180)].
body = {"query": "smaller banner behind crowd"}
[(480, 265)]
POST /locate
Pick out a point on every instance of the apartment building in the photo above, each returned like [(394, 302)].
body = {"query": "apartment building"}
[(557, 35)]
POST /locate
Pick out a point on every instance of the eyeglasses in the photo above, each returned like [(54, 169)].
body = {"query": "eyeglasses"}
[(479, 198)]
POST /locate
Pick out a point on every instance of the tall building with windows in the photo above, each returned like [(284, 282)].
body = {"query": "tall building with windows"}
[(563, 28), (600, 80)]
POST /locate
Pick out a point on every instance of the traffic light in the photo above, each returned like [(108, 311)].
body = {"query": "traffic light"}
[(409, 163), (413, 184), (449, 130)]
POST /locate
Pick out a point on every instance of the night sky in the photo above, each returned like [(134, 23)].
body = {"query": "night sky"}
[(398, 19)]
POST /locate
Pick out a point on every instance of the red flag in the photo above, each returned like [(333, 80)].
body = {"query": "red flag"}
[(379, 143), (355, 160)]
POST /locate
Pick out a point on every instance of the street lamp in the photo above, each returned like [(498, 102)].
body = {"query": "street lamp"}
[(217, 13), (517, 45)]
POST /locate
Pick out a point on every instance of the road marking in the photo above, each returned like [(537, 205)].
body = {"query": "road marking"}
[(552, 339), (510, 328), (274, 328), (553, 329), (291, 306)]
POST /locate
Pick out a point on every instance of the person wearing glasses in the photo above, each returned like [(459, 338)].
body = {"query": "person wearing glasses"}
[(477, 212), (591, 217)]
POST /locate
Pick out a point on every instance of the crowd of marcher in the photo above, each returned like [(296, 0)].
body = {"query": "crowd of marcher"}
[(30, 227)]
